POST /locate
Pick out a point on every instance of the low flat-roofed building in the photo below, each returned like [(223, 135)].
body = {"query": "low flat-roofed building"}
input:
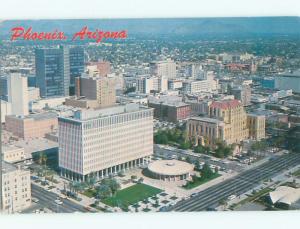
[(285, 195), (169, 108), (81, 102), (31, 126), (170, 170), (170, 111), (13, 154), (16, 188)]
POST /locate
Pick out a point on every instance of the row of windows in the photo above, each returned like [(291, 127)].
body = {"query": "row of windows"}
[(117, 119)]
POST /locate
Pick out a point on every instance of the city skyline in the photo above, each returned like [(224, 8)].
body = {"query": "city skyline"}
[(185, 114)]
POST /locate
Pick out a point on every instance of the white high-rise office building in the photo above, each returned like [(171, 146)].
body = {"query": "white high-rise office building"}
[(105, 141), (165, 68), (17, 90), (147, 84)]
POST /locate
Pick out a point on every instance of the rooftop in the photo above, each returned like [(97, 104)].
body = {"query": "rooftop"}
[(170, 167), (225, 104), (205, 119), (295, 74), (7, 167), (88, 114), (37, 116)]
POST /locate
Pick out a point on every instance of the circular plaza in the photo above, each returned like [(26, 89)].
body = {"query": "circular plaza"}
[(170, 170)]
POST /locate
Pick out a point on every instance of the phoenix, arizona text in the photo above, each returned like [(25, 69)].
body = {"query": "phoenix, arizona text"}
[(21, 33)]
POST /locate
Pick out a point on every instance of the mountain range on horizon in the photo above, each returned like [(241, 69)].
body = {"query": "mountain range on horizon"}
[(166, 26)]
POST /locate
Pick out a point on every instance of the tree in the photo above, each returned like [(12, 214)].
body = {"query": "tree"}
[(42, 160), (103, 191), (133, 177), (223, 150), (197, 165), (112, 184), (76, 186), (161, 138), (141, 180), (194, 178), (130, 89), (223, 202), (185, 145), (206, 171), (91, 181)]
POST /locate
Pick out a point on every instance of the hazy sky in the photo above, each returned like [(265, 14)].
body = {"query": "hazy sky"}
[(23, 9)]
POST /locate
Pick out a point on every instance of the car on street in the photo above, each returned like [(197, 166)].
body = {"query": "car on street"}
[(35, 200), (231, 197), (59, 202)]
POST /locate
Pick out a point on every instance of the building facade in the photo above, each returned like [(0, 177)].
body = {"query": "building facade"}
[(146, 85), (13, 154), (18, 94), (197, 86), (256, 125), (288, 80), (165, 68), (76, 59), (101, 89), (53, 71), (16, 188), (170, 111), (227, 121), (31, 126), (242, 93), (106, 141)]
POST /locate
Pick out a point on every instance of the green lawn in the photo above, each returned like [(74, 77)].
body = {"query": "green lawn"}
[(198, 182), (131, 195), (89, 193), (296, 173)]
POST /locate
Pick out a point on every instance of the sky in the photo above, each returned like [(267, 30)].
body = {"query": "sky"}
[(40, 9)]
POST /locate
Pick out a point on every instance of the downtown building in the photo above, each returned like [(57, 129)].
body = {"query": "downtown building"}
[(226, 121), (165, 68), (16, 188), (101, 90), (56, 69), (17, 94), (105, 141), (288, 80), (149, 84), (242, 93), (198, 86)]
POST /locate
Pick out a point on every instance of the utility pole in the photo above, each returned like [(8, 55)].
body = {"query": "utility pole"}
[(1, 199)]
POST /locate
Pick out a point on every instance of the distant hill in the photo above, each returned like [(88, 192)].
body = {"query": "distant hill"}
[(175, 26)]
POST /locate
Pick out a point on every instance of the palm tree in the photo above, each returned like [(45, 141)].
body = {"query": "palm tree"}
[(91, 181), (42, 158)]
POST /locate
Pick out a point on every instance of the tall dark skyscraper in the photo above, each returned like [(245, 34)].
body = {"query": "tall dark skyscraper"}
[(76, 63), (52, 71), (3, 87), (76, 55), (56, 69)]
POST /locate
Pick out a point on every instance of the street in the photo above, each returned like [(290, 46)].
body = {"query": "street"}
[(237, 185), (46, 199)]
